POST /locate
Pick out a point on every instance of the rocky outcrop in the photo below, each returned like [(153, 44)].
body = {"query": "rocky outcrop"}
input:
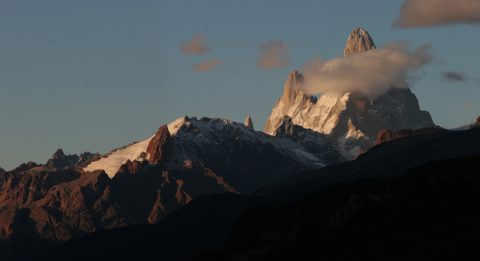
[(60, 160), (248, 122), (351, 119), (160, 146), (358, 41), (388, 135)]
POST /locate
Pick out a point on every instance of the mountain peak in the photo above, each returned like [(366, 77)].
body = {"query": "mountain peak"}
[(58, 154), (359, 41), (292, 86), (248, 122)]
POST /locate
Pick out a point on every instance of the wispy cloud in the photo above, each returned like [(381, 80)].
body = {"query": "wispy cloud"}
[(422, 13), (206, 66), (195, 46), (371, 73), (274, 54), (453, 77)]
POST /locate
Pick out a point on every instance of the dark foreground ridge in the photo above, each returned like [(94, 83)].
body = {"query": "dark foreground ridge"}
[(413, 198)]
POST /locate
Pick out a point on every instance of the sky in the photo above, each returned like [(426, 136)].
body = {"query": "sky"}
[(93, 75)]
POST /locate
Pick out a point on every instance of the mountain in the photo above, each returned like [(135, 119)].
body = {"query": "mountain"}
[(144, 181), (221, 145), (210, 165), (412, 198), (352, 119)]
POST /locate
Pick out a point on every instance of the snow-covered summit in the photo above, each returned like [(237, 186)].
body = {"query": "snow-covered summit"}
[(111, 162)]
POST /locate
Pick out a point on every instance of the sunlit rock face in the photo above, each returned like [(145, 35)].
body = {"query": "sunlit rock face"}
[(358, 41), (352, 119)]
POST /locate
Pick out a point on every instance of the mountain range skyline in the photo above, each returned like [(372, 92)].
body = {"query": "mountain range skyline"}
[(252, 130), (34, 136)]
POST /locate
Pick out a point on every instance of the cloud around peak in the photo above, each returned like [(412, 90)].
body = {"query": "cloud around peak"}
[(274, 54), (424, 13), (371, 73)]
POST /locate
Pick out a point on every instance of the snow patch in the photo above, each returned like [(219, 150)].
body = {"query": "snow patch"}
[(174, 126), (116, 159)]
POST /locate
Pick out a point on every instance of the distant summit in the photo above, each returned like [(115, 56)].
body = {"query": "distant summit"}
[(351, 119), (359, 41)]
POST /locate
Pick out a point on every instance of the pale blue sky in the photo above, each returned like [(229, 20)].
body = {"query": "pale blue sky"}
[(93, 75)]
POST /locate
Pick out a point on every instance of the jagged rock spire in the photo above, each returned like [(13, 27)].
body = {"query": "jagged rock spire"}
[(292, 86), (160, 147), (359, 41), (248, 122)]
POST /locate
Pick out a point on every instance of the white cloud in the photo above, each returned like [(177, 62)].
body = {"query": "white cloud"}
[(371, 73), (420, 13)]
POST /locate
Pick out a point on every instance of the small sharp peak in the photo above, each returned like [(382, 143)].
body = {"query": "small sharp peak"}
[(293, 86), (248, 122), (359, 41), (58, 154)]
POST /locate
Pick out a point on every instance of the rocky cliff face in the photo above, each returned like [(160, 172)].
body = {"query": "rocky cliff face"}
[(352, 119), (160, 146)]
